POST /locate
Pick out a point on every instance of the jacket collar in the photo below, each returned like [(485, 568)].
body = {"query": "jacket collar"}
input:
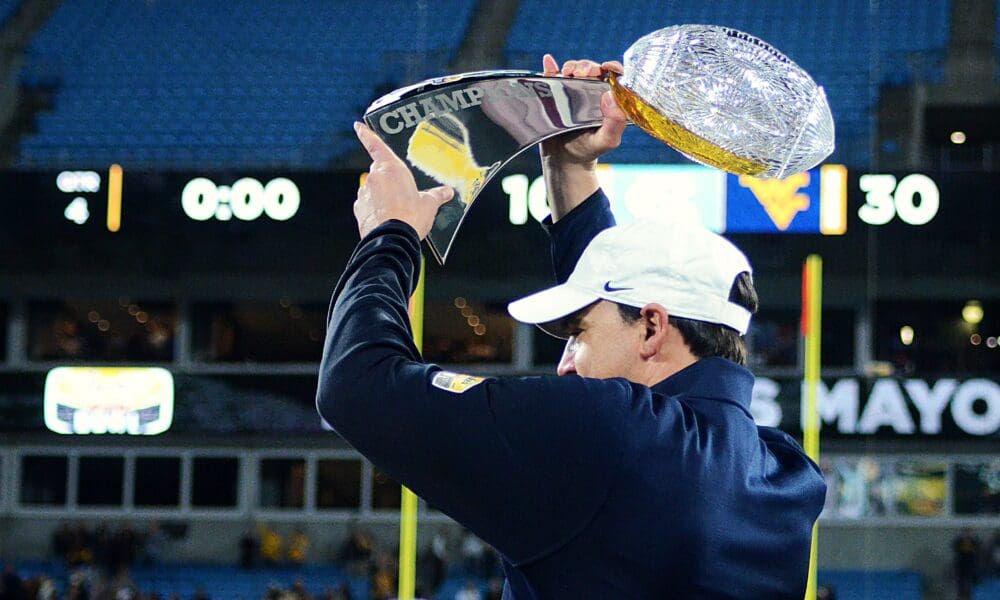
[(715, 378)]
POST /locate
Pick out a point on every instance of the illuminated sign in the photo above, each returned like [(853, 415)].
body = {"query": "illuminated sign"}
[(120, 400), (898, 406), (78, 182), (74, 182), (89, 182), (77, 211), (811, 202), (247, 199), (525, 197), (691, 193), (885, 199)]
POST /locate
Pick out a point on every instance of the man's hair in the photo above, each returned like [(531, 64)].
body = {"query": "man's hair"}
[(711, 339)]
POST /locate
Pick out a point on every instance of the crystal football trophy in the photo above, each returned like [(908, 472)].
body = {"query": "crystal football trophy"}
[(717, 95)]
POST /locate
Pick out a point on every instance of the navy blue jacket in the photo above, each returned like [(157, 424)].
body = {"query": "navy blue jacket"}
[(587, 488)]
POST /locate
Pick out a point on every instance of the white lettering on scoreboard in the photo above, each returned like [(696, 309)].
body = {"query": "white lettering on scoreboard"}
[(247, 199), (885, 199), (915, 198), (76, 182), (906, 407)]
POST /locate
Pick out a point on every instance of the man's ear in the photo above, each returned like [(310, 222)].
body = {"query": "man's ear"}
[(655, 320)]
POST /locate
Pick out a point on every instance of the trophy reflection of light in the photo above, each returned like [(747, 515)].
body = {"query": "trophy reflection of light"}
[(725, 99), (653, 122), (440, 148)]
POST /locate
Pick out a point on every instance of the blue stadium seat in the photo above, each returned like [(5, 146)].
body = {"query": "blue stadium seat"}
[(988, 589), (872, 585), (7, 10), (848, 49), (295, 74), (848, 585), (232, 583), (132, 78), (452, 585), (996, 37), (916, 51)]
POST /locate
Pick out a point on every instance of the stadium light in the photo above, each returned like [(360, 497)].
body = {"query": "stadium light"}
[(972, 312), (906, 335), (957, 137)]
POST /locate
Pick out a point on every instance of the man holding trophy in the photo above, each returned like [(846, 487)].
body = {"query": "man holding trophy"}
[(637, 471)]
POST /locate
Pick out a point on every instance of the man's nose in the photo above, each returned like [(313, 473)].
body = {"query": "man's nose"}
[(567, 363)]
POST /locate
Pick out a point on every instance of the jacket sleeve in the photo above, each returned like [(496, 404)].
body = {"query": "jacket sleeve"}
[(524, 462), (571, 234)]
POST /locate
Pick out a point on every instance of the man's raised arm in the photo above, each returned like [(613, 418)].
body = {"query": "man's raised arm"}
[(524, 462), (569, 160), (569, 163)]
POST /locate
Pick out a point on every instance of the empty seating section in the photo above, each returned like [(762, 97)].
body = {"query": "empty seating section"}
[(185, 84), (230, 583), (913, 40), (7, 10), (847, 584), (847, 49), (988, 589), (176, 84)]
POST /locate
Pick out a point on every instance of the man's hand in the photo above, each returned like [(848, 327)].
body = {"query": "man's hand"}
[(390, 191), (585, 147), (568, 160)]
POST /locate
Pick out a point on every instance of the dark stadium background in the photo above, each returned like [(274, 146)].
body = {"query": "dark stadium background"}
[(174, 90)]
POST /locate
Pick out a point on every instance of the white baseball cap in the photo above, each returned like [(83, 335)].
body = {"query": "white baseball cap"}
[(682, 266)]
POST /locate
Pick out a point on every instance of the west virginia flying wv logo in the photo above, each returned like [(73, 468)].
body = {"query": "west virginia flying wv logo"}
[(780, 197)]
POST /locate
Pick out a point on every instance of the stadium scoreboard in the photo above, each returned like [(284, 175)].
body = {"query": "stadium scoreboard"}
[(825, 200), (271, 221)]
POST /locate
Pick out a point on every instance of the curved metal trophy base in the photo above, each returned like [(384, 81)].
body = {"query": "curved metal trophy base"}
[(460, 130)]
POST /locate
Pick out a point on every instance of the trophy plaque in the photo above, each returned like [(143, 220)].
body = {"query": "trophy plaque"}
[(717, 95)]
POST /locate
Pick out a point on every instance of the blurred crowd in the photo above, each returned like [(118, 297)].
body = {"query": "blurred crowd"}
[(465, 555), (462, 554), (974, 560), (99, 561), (106, 549), (87, 583)]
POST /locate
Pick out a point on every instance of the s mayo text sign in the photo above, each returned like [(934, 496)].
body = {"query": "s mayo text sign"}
[(949, 407)]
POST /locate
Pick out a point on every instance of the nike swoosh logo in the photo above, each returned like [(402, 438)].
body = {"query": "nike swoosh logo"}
[(609, 288)]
